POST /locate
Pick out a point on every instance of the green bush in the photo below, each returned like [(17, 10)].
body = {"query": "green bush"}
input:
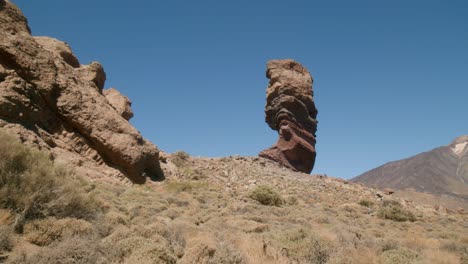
[(266, 195), (366, 203), (33, 187), (393, 210)]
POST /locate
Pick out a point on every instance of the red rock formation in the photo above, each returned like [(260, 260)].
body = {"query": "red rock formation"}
[(53, 102), (290, 110)]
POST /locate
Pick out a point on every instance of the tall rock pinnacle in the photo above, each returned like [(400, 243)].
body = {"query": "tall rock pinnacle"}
[(291, 111)]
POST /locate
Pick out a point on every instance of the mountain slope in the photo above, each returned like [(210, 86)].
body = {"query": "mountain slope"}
[(441, 171)]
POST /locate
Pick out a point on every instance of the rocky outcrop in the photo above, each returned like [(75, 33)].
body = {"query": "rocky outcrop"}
[(53, 102), (290, 110), (120, 102)]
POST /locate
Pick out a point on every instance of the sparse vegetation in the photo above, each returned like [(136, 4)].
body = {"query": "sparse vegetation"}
[(266, 195), (393, 210), (366, 203), (304, 247), (398, 256), (33, 187), (46, 231), (209, 220), (6, 243), (225, 254), (75, 250), (180, 158), (184, 186)]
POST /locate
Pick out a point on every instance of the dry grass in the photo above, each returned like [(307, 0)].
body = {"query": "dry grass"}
[(185, 186), (180, 158), (75, 250), (217, 219), (303, 246), (33, 187), (6, 243), (46, 231)]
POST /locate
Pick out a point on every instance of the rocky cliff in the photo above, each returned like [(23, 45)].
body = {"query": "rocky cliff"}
[(290, 110), (55, 103)]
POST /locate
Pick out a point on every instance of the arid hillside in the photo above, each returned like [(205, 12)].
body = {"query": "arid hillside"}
[(216, 210)]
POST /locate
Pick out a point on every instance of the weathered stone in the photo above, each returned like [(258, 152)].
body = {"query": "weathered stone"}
[(120, 102), (291, 110), (52, 102)]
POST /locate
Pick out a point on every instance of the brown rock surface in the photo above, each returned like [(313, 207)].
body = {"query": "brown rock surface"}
[(290, 110), (120, 102), (51, 101)]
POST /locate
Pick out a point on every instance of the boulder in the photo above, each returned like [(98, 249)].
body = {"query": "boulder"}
[(53, 102), (290, 110)]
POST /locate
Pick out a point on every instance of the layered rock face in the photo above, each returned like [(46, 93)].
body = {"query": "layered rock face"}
[(290, 109), (51, 101)]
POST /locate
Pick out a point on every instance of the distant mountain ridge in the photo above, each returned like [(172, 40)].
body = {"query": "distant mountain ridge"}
[(441, 171)]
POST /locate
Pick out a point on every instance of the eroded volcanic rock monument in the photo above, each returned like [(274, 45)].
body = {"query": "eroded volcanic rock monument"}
[(55, 103), (290, 110)]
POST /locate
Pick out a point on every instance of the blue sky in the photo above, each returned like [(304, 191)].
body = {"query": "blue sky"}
[(390, 79)]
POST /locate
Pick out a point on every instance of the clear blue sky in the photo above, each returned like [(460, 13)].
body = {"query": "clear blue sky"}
[(391, 80)]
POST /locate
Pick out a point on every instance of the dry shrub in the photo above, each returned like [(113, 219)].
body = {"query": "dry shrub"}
[(33, 187), (6, 244), (116, 218), (303, 246), (398, 256), (464, 259), (44, 232), (199, 253), (180, 158), (393, 210), (145, 244), (366, 203), (136, 249), (441, 257), (266, 195), (455, 247), (208, 253), (351, 255), (71, 251), (418, 242), (226, 254), (175, 237), (388, 244)]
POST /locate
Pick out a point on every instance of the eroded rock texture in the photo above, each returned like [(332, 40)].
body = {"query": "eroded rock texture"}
[(53, 102), (290, 110)]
